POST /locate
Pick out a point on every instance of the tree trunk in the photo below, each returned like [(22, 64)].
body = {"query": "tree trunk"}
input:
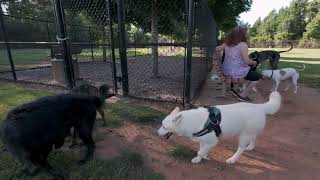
[(154, 37)]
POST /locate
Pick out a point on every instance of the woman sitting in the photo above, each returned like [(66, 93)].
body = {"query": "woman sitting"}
[(236, 63)]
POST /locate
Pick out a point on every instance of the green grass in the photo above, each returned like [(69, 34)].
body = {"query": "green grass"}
[(125, 111), (12, 95), (127, 166), (182, 152), (296, 58)]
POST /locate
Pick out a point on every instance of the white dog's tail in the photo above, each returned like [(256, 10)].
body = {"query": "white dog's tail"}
[(273, 105)]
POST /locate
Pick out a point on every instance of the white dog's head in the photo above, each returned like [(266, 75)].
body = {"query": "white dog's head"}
[(169, 123)]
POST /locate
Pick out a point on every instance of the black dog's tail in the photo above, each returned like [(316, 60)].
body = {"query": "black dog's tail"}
[(288, 49)]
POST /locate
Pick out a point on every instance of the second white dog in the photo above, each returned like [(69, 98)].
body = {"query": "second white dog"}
[(280, 75), (243, 119)]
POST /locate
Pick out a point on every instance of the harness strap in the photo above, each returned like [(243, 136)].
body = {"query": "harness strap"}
[(212, 124)]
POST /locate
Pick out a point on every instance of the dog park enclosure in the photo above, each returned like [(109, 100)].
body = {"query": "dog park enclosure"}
[(156, 50)]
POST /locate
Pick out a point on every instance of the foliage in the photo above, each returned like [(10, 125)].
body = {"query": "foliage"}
[(227, 12), (298, 22)]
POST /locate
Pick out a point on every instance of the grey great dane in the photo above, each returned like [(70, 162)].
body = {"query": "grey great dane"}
[(271, 55)]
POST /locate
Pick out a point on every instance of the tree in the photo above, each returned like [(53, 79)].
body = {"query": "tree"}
[(227, 12), (287, 24), (18, 20), (37, 9), (269, 25), (297, 13), (254, 29), (313, 28), (312, 9), (312, 35)]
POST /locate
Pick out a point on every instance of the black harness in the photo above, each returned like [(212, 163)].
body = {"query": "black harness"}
[(212, 124)]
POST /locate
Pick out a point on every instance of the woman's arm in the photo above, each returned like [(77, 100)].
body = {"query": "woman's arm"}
[(244, 54)]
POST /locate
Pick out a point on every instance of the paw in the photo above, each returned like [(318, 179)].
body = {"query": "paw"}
[(249, 148), (196, 160), (231, 160), (206, 157)]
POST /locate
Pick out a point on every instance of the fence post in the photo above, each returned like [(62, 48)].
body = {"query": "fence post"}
[(91, 45), (189, 53), (3, 28), (123, 48), (113, 57), (61, 30), (104, 49), (49, 39)]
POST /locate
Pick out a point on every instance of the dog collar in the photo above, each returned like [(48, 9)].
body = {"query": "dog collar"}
[(212, 124), (271, 74)]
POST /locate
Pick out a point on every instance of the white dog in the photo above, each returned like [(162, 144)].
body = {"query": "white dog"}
[(243, 119), (282, 74)]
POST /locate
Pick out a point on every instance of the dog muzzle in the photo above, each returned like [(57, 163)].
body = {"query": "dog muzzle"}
[(164, 133), (168, 135)]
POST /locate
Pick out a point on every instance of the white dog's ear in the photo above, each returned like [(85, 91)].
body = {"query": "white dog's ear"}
[(175, 111), (176, 120)]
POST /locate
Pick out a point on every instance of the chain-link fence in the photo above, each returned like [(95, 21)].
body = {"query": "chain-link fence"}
[(157, 31), (137, 47), (26, 40), (203, 42)]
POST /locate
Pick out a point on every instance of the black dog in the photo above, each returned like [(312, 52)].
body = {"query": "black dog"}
[(272, 56), (30, 130)]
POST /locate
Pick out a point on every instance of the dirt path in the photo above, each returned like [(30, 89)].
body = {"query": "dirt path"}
[(288, 148)]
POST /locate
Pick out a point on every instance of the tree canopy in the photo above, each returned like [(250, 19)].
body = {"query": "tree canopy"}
[(297, 22)]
